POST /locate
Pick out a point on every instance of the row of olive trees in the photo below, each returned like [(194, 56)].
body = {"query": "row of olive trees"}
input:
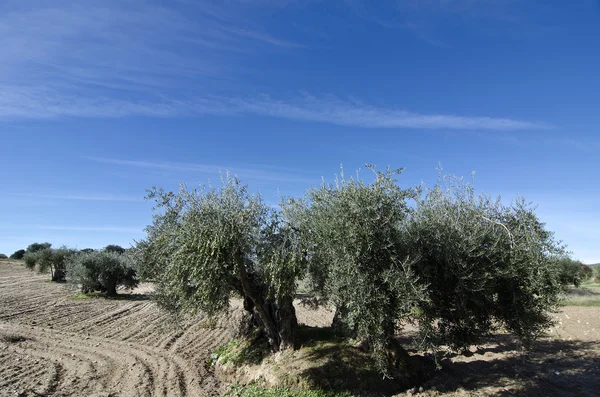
[(456, 263), (102, 270)]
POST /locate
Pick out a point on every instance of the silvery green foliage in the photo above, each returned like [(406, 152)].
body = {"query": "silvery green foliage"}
[(484, 264), (30, 259), (353, 234), (457, 263), (49, 259), (206, 245), (101, 271)]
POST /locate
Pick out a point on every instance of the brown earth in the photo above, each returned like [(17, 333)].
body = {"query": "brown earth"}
[(53, 345)]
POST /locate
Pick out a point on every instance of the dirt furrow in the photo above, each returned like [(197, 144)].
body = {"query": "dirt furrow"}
[(53, 345), (113, 362)]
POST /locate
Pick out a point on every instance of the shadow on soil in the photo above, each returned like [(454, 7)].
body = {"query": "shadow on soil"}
[(118, 297), (583, 292), (329, 362), (129, 297), (550, 368)]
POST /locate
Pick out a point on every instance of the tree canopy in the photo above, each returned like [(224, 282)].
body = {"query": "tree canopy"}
[(18, 255), (456, 263), (206, 245), (35, 247), (48, 259), (102, 271), (114, 248)]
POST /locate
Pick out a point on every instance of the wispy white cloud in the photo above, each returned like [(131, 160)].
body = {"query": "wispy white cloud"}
[(47, 102), (84, 197), (326, 109), (332, 110), (108, 58), (263, 173)]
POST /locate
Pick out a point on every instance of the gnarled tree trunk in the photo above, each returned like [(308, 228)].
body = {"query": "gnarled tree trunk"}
[(278, 321)]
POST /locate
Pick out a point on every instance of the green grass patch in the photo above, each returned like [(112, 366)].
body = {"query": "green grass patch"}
[(90, 295), (240, 351), (256, 390)]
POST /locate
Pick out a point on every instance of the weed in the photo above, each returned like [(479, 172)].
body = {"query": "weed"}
[(240, 351), (89, 295), (257, 390)]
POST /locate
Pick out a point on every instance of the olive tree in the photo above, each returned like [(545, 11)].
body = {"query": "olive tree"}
[(572, 272), (352, 231), (205, 246), (35, 247), (49, 259), (458, 264), (114, 248), (102, 271), (483, 264), (18, 255)]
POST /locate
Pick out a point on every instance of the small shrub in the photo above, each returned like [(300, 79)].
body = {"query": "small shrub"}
[(3, 256), (101, 271)]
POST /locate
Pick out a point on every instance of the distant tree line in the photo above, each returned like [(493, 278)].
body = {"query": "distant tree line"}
[(91, 270)]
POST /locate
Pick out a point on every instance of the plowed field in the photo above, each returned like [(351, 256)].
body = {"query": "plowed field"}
[(54, 345)]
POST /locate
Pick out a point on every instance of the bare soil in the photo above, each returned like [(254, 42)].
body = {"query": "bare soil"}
[(54, 345)]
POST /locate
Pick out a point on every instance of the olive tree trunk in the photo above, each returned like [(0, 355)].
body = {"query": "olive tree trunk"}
[(278, 321), (111, 289)]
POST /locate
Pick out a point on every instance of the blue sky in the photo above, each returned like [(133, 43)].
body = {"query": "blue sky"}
[(100, 100)]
